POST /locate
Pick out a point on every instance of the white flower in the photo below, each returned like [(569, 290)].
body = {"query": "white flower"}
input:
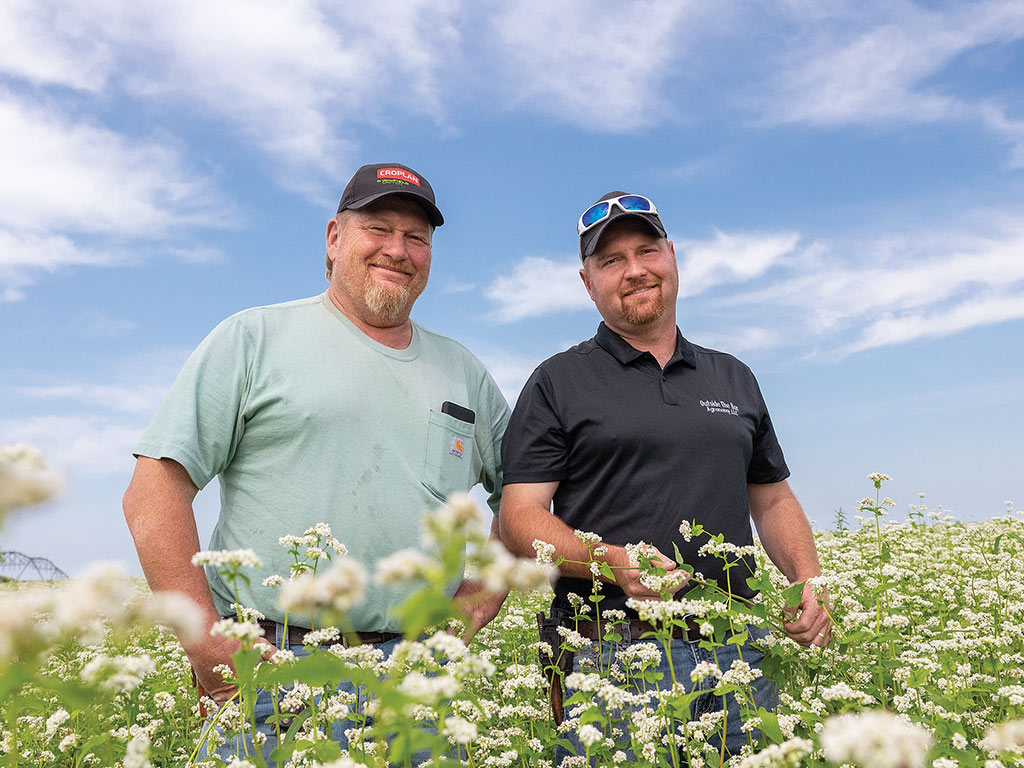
[(237, 630), (340, 587), (501, 571), (875, 739), (321, 636), (137, 752), (24, 478), (589, 735), (403, 567), (1004, 737), (587, 537), (118, 673), (231, 558), (686, 530), (545, 552), (54, 721), (458, 730)]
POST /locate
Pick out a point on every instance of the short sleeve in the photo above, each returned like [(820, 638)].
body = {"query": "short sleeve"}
[(535, 449), (200, 421), (490, 430), (767, 463)]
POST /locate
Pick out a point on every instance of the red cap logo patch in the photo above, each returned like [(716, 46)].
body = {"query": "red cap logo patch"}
[(399, 174)]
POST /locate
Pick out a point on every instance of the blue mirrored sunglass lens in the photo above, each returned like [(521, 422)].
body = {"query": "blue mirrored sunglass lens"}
[(634, 203), (594, 214)]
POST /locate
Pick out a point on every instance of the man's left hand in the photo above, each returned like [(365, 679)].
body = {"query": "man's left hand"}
[(812, 626), (479, 604)]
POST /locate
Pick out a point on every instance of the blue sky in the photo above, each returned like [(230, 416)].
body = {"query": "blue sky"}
[(843, 181)]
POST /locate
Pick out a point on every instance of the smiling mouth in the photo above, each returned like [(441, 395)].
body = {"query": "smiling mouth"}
[(641, 289), (392, 269)]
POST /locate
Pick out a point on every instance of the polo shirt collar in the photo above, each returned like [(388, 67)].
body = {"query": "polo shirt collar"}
[(626, 353)]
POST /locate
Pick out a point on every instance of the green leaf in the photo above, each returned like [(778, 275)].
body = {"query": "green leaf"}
[(770, 726), (606, 571), (793, 595)]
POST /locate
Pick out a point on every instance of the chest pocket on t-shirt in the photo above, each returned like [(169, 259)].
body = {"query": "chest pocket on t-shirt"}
[(448, 461)]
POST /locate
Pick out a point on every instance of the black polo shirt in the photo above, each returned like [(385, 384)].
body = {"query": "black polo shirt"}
[(637, 449)]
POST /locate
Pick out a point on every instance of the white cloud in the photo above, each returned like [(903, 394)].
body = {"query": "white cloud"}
[(597, 67), (75, 176), (47, 48), (939, 321), (851, 296), (86, 445), (764, 290), (537, 287), (128, 398), (293, 78), (867, 63), (729, 258), (80, 188)]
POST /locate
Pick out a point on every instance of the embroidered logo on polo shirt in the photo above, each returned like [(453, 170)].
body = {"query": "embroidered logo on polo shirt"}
[(457, 445), (720, 406)]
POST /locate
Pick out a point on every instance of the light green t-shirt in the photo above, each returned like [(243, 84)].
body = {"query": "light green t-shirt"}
[(306, 420)]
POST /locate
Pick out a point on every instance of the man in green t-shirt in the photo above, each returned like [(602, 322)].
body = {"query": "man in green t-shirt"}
[(337, 409)]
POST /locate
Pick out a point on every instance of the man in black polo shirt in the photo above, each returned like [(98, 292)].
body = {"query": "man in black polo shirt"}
[(637, 430)]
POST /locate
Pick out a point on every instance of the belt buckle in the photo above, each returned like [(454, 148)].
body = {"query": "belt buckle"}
[(691, 625)]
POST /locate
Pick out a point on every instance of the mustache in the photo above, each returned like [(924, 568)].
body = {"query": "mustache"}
[(638, 285), (390, 264)]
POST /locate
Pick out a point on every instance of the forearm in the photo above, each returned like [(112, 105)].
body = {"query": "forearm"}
[(784, 531), (158, 510)]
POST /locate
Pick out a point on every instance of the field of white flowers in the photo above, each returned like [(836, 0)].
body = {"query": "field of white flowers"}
[(926, 665)]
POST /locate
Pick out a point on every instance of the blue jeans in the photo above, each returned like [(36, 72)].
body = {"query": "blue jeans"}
[(264, 708), (685, 656)]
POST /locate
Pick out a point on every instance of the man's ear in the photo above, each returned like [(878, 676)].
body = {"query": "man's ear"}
[(586, 282)]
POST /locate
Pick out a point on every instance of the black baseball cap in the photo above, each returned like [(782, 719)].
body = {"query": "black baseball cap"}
[(625, 204), (372, 182)]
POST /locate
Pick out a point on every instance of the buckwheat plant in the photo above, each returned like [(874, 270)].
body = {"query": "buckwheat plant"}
[(925, 667)]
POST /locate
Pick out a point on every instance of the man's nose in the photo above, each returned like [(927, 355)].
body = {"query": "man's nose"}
[(394, 246), (635, 267)]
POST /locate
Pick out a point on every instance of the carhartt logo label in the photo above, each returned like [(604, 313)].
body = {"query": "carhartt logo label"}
[(457, 445), (397, 174), (718, 406)]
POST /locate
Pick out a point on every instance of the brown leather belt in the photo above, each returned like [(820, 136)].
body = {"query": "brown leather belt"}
[(690, 631), (296, 635)]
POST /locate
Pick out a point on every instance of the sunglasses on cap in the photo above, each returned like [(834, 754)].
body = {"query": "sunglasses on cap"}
[(598, 212)]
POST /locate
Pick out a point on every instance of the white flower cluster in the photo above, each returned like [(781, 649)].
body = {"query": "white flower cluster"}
[(719, 548), (842, 691), (118, 673), (671, 581), (322, 636), (639, 550), (587, 537), (228, 558), (24, 478), (875, 738), (458, 730), (501, 571), (246, 631), (1005, 737), (460, 513), (340, 587), (428, 689), (788, 754), (101, 600), (406, 566), (545, 552)]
